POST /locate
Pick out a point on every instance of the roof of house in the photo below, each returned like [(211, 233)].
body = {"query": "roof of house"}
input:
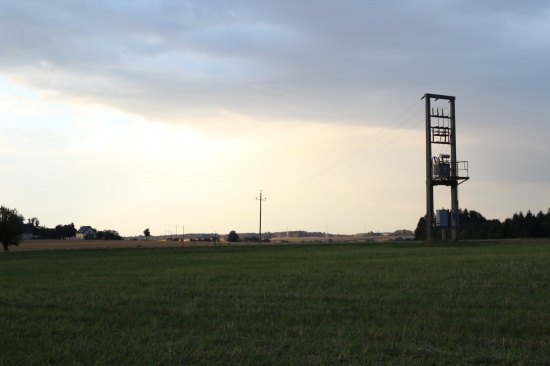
[(28, 229), (83, 229)]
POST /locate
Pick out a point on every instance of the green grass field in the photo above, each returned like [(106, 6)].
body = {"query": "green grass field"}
[(406, 303)]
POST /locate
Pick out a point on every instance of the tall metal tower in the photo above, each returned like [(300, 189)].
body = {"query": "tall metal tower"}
[(444, 169)]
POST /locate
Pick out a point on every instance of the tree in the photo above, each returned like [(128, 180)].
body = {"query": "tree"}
[(516, 229), (147, 233), (64, 231), (11, 227), (420, 231), (546, 224), (529, 223), (474, 225), (34, 221), (109, 235), (233, 236)]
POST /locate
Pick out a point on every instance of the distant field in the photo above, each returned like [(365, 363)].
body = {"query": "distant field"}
[(96, 244), (33, 245), (378, 303), (342, 239), (92, 244)]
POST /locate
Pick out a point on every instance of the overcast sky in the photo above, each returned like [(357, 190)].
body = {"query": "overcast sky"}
[(154, 114)]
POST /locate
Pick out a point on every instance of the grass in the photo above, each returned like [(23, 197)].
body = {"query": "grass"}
[(402, 303)]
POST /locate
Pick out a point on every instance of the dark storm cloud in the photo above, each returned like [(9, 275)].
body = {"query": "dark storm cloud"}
[(323, 60)]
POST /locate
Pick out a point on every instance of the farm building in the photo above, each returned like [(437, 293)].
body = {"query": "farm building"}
[(86, 232), (28, 232)]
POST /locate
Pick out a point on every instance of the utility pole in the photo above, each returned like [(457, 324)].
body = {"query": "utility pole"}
[(260, 199)]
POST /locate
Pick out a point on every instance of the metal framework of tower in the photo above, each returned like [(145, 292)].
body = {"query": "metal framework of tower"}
[(442, 170)]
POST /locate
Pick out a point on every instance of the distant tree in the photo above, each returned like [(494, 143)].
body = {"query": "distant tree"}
[(516, 228), (233, 236), (545, 223), (34, 221), (529, 225), (474, 225), (402, 232), (147, 233), (108, 235), (506, 229), (420, 231), (11, 227), (64, 231)]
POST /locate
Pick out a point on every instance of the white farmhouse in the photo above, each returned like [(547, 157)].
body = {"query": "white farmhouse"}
[(86, 232)]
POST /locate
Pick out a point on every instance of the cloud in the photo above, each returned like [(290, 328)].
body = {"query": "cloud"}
[(185, 62)]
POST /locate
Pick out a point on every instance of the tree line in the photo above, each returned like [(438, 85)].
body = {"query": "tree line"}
[(58, 232), (473, 225), (67, 231), (12, 227)]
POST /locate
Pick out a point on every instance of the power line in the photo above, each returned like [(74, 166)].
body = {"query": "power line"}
[(364, 144), (364, 158), (370, 142)]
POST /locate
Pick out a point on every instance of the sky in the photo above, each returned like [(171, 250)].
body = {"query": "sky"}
[(162, 114)]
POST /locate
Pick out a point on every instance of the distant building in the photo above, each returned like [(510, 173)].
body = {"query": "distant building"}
[(86, 232), (28, 232)]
